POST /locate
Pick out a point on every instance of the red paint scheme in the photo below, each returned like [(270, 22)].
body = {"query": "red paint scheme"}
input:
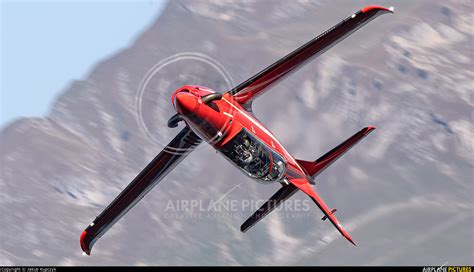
[(226, 123), (84, 248), (237, 118), (316, 167), (370, 8)]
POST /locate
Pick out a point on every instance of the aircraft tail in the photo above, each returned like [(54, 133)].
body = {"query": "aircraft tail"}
[(278, 198), (303, 184), (314, 168)]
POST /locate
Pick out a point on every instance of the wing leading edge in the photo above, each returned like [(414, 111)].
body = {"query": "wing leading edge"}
[(159, 167), (248, 90)]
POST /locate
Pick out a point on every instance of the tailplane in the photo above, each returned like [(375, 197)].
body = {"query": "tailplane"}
[(314, 168), (278, 198)]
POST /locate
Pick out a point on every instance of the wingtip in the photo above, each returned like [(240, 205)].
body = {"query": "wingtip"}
[(350, 239), (368, 129), (84, 245), (244, 227), (377, 8)]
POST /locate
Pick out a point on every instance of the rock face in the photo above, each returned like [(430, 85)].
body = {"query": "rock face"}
[(404, 193)]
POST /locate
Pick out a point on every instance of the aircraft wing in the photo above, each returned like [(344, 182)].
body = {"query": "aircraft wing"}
[(159, 167), (303, 185), (257, 84)]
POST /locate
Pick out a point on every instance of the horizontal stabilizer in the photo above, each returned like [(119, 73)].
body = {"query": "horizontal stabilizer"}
[(316, 167), (279, 197)]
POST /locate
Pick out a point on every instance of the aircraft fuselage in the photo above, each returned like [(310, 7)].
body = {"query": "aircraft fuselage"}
[(236, 134)]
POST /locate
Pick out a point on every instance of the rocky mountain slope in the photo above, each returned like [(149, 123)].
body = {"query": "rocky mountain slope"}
[(404, 193)]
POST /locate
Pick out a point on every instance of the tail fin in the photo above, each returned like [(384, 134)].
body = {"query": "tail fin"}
[(314, 168), (304, 185)]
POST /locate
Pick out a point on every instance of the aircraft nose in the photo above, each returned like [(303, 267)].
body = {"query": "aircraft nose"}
[(186, 103)]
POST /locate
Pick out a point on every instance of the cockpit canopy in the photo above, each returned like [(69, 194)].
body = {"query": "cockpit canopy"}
[(254, 157)]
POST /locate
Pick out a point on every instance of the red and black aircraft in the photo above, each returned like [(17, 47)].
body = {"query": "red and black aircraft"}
[(226, 122)]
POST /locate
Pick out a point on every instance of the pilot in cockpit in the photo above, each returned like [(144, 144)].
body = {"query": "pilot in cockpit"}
[(247, 156)]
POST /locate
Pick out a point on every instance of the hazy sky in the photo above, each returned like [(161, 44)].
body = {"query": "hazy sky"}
[(46, 44)]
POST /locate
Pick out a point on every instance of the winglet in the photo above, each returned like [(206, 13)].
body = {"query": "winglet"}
[(377, 8), (85, 245)]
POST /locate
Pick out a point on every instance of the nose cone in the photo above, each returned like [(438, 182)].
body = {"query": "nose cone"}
[(186, 103)]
